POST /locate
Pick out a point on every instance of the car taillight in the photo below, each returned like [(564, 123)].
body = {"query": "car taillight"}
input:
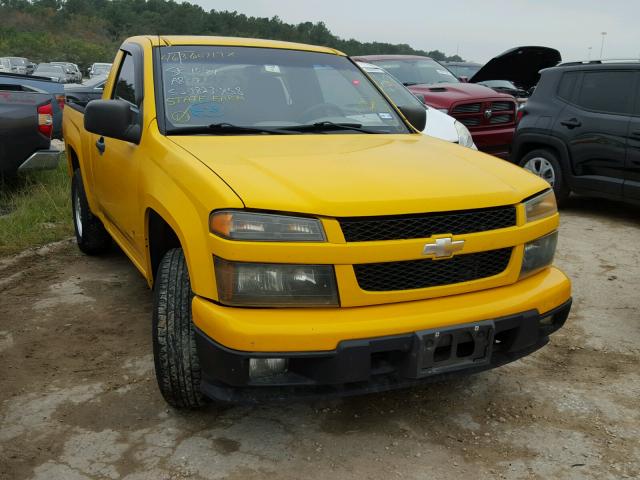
[(61, 100), (45, 119)]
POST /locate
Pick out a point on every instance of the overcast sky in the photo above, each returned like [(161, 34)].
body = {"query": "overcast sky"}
[(478, 30)]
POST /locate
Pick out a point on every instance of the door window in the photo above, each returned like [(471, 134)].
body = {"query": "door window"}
[(610, 92), (125, 88), (567, 85)]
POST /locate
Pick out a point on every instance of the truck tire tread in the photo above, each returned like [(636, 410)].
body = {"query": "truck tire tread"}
[(174, 345)]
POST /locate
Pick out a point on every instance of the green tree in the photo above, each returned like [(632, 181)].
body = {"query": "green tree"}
[(87, 31)]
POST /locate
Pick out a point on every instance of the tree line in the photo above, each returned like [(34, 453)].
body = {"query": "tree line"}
[(87, 31)]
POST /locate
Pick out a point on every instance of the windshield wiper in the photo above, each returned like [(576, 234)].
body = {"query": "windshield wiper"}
[(327, 126), (224, 128), (410, 84)]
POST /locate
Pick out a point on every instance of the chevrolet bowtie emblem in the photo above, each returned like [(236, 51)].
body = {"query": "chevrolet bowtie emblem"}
[(443, 247)]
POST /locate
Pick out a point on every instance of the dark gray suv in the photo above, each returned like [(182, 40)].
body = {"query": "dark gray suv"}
[(580, 130)]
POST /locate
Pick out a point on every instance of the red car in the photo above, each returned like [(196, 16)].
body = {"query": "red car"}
[(490, 116)]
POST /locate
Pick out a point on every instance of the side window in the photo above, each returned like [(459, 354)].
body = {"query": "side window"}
[(125, 88), (610, 92), (567, 85)]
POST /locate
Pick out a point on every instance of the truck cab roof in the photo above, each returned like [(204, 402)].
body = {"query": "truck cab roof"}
[(173, 40)]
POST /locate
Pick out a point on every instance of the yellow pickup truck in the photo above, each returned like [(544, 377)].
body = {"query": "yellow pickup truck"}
[(301, 237)]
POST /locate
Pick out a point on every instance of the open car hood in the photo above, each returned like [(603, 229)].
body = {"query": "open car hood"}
[(520, 65)]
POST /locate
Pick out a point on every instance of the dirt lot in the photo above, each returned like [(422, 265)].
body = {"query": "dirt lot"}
[(78, 397)]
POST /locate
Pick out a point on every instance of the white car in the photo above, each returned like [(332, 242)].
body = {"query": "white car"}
[(99, 69), (439, 124)]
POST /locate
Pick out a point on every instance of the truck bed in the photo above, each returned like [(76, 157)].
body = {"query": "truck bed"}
[(19, 134), (12, 81)]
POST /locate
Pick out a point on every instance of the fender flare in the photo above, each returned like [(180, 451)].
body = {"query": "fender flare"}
[(525, 142), (201, 283)]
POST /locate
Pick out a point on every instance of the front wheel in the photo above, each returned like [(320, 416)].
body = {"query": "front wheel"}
[(174, 343), (545, 164)]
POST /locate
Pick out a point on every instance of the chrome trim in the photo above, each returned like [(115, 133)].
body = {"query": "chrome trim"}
[(41, 160), (443, 247)]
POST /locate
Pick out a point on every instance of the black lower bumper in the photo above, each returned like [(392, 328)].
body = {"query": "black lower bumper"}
[(377, 364)]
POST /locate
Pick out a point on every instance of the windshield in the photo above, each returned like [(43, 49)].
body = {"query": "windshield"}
[(275, 88), (101, 69), (397, 92), (417, 71), (464, 70), (49, 69)]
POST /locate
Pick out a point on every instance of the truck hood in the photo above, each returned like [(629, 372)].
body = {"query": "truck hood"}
[(520, 65), (442, 95), (358, 175)]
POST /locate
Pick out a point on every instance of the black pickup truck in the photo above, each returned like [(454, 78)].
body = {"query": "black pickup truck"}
[(33, 83), (26, 126)]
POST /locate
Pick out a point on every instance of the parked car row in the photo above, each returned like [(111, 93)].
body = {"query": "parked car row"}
[(577, 130), (58, 71), (487, 101)]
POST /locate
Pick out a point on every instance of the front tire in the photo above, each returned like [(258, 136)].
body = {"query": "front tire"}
[(91, 235), (174, 344), (545, 164)]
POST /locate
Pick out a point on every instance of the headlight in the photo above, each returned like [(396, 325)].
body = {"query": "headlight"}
[(541, 206), (266, 227), (464, 136), (275, 284), (538, 254)]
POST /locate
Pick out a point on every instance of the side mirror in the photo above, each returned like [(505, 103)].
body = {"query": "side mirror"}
[(417, 116), (463, 79), (113, 119)]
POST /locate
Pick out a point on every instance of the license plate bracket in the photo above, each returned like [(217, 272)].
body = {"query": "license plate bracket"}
[(448, 349)]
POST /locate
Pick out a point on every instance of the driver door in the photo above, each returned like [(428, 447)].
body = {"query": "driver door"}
[(116, 163)]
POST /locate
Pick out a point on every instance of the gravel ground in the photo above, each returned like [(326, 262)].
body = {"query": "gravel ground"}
[(78, 398)]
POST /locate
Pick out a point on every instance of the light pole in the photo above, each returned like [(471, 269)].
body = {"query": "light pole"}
[(589, 53), (604, 34)]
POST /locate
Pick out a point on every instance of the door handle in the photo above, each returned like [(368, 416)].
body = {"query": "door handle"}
[(571, 123), (100, 145), (635, 133)]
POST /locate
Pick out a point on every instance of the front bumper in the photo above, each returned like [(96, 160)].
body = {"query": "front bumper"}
[(496, 141), (371, 365), (317, 329)]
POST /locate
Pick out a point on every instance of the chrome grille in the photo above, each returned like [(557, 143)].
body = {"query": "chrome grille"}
[(469, 122), (468, 108), (502, 106), (500, 119)]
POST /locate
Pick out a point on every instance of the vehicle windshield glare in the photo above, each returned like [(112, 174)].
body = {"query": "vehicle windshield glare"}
[(270, 88), (417, 71), (397, 92)]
